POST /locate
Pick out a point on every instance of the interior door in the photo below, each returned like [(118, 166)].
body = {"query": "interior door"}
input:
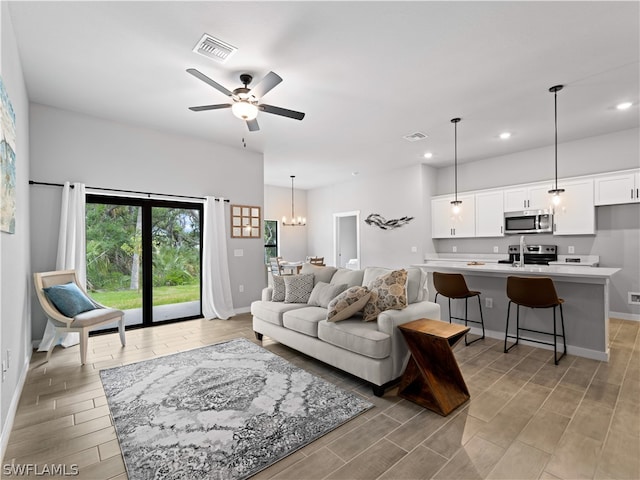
[(346, 245)]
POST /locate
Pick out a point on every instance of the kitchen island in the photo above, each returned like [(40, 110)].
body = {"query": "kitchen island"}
[(585, 291)]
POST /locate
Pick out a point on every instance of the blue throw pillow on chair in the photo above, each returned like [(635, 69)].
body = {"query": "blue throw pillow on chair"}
[(69, 299)]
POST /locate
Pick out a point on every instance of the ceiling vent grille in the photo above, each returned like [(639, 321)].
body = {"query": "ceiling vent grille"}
[(215, 49), (414, 137)]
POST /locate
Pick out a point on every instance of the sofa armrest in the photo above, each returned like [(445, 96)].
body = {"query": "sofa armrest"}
[(390, 319), (267, 294)]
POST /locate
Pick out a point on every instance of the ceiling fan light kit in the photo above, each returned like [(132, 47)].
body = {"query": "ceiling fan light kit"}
[(245, 101)]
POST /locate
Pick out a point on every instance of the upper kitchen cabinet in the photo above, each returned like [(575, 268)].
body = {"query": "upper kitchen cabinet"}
[(444, 224), (576, 214), (490, 214), (527, 197), (617, 188)]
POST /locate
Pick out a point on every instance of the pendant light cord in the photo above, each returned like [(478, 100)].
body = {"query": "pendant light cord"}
[(292, 209)]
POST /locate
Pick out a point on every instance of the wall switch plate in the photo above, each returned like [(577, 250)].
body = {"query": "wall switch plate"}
[(488, 302), (496, 249), (455, 249), (414, 249), (571, 249), (241, 288), (238, 252)]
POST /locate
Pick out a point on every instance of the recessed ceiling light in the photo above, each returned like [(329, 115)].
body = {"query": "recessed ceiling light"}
[(505, 135), (624, 105), (428, 155)]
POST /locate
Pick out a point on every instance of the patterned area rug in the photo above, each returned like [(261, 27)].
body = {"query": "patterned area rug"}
[(225, 411)]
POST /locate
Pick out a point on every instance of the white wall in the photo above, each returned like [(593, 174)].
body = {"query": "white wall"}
[(100, 153), (394, 194), (15, 276)]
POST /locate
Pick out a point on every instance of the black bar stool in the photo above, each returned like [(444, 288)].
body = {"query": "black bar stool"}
[(534, 292), (453, 285)]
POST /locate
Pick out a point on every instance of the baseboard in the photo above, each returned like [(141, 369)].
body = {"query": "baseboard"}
[(634, 317), (242, 310), (571, 350), (13, 407)]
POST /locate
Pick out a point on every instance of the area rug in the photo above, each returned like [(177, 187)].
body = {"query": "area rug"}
[(225, 411)]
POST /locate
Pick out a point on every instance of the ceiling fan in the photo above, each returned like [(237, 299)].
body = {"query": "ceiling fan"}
[(245, 100)]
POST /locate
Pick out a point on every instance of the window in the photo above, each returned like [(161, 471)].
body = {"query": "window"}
[(270, 240)]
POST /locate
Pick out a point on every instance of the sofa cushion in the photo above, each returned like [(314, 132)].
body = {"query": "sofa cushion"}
[(347, 303), (356, 336), (272, 311), (297, 288), (323, 293), (350, 277), (320, 274), (304, 320), (388, 292), (278, 289)]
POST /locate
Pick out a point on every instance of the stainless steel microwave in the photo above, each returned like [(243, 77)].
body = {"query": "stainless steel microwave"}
[(528, 221)]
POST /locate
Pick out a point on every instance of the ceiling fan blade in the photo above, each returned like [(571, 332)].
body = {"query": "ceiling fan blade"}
[(265, 85), (208, 81), (210, 107), (285, 112), (253, 125)]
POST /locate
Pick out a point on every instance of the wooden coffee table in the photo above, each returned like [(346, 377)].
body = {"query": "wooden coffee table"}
[(432, 377)]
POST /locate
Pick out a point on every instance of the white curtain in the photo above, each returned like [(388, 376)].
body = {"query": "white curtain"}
[(71, 250), (216, 286)]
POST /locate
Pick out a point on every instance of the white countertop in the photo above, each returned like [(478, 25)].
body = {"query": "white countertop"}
[(504, 268)]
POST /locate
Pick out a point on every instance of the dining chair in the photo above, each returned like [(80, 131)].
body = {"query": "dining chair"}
[(317, 261)]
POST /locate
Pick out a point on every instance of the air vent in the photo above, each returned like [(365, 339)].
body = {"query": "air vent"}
[(215, 49), (414, 137)]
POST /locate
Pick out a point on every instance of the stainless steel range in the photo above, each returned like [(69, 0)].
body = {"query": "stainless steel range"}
[(533, 254)]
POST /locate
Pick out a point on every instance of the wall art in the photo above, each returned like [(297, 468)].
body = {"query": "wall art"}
[(7, 163), (245, 221), (379, 221)]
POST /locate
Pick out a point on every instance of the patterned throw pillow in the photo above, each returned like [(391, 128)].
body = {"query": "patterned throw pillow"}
[(388, 292), (348, 303), (297, 288), (278, 289)]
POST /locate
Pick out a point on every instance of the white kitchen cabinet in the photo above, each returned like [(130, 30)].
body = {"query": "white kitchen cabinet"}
[(576, 213), (614, 189), (528, 197), (444, 224), (490, 214)]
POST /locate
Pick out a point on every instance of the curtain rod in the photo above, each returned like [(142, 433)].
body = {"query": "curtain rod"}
[(32, 182)]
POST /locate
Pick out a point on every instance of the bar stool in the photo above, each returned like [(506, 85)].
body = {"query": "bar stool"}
[(534, 292), (453, 285)]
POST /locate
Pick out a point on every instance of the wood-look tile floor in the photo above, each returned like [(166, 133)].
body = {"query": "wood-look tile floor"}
[(526, 418)]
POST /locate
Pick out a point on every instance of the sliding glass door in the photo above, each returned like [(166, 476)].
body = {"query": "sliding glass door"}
[(144, 257)]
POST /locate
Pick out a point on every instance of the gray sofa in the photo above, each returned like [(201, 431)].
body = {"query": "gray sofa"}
[(374, 351)]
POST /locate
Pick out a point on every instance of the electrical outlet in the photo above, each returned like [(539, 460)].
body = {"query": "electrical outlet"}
[(455, 249), (488, 302), (241, 288), (496, 249), (571, 249), (414, 249)]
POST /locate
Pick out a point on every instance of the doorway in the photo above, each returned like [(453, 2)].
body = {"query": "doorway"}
[(346, 239), (144, 257)]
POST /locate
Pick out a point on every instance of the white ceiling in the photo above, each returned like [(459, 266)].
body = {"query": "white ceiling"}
[(365, 73)]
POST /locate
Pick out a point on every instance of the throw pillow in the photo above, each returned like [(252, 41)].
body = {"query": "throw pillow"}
[(278, 289), (297, 288), (388, 292), (323, 293), (348, 303), (69, 299)]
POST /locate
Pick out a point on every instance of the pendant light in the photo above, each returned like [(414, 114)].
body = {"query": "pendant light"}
[(295, 222), (455, 204), (556, 191)]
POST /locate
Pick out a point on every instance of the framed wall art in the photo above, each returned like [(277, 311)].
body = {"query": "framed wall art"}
[(7, 163), (245, 221)]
